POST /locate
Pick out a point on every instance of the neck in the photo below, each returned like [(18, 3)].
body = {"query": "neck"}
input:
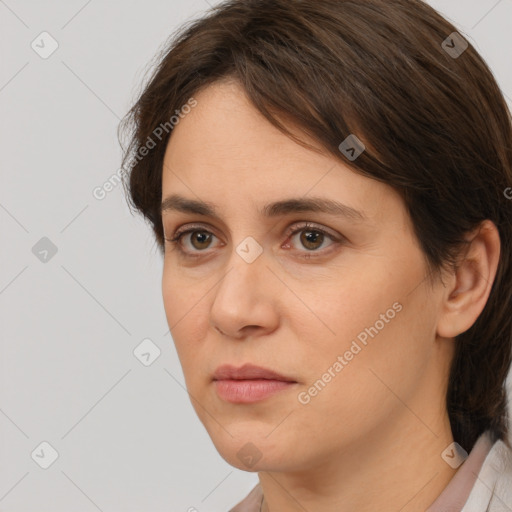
[(396, 468)]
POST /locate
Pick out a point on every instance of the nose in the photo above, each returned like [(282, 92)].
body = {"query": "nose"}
[(245, 301)]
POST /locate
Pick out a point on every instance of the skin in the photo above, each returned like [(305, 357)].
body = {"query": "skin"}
[(372, 438)]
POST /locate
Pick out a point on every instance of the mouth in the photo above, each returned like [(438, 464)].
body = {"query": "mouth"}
[(249, 383)]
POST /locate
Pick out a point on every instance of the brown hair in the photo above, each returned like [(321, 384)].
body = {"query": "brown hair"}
[(436, 127)]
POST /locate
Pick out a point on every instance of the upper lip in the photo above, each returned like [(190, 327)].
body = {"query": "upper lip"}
[(247, 372)]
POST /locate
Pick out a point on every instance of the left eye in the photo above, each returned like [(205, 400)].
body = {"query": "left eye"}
[(311, 238)]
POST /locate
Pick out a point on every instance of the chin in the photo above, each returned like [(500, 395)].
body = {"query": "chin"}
[(253, 450)]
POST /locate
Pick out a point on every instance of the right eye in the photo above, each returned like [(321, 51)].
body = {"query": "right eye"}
[(199, 240)]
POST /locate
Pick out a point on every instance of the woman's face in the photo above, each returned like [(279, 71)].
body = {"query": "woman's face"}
[(346, 314)]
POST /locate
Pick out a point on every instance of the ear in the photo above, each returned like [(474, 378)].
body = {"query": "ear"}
[(469, 286)]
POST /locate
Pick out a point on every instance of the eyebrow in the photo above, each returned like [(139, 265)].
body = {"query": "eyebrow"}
[(286, 206)]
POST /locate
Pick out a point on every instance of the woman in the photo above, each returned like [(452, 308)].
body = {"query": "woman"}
[(327, 184)]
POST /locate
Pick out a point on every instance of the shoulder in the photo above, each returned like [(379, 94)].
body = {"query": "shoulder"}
[(492, 491), (502, 495)]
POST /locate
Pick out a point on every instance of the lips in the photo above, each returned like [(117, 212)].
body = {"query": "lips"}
[(248, 372), (249, 383)]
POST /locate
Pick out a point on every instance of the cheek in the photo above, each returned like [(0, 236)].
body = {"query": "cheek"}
[(181, 296), (336, 310), (377, 326), (378, 362), (186, 310), (369, 392)]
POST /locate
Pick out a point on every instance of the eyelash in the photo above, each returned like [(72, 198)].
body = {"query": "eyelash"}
[(175, 240)]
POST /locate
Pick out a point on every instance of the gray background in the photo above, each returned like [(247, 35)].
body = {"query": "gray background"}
[(126, 434)]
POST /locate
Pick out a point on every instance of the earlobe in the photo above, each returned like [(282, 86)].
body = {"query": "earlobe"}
[(466, 296)]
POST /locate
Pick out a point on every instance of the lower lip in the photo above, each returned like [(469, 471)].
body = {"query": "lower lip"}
[(247, 391)]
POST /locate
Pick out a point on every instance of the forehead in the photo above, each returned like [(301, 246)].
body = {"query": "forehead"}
[(226, 129), (226, 151)]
